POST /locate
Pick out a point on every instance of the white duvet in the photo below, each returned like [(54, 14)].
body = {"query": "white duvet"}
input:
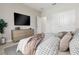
[(48, 46), (22, 44)]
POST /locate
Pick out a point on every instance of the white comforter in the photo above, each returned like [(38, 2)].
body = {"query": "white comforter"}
[(22, 44), (48, 46)]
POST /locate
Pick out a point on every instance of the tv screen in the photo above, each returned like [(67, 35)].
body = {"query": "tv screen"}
[(20, 19)]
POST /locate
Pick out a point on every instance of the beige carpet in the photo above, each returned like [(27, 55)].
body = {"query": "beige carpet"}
[(11, 51)]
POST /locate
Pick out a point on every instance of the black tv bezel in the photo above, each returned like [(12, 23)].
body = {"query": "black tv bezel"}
[(20, 14)]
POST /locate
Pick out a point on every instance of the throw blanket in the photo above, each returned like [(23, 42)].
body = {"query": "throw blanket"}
[(32, 44)]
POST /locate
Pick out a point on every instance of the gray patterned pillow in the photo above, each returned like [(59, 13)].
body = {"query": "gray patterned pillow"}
[(61, 34)]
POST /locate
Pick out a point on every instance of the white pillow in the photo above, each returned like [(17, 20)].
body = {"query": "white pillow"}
[(49, 46), (64, 43)]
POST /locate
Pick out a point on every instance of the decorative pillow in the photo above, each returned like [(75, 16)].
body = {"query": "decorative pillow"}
[(61, 34), (64, 43)]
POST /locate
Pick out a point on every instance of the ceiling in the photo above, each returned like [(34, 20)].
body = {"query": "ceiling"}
[(40, 6), (43, 6)]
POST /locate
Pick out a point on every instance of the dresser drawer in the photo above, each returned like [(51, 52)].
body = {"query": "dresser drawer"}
[(20, 34)]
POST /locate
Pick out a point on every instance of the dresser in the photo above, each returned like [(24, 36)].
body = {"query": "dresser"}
[(21, 34)]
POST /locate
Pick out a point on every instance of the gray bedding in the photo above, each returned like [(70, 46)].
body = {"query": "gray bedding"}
[(74, 44), (49, 46)]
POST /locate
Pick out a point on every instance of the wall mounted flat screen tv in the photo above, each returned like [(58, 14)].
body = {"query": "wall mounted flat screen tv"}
[(20, 19)]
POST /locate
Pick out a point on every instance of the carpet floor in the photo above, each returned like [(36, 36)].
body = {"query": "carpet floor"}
[(11, 51)]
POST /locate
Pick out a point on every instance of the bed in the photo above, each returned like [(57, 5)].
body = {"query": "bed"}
[(51, 44), (48, 46)]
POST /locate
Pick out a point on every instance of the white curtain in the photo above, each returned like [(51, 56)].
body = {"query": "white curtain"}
[(63, 21)]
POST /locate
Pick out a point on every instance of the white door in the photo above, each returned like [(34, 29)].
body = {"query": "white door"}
[(39, 24)]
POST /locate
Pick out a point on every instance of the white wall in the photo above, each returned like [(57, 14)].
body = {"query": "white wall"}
[(63, 17), (6, 13)]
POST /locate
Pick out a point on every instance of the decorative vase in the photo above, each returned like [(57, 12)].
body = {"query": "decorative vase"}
[(2, 39)]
